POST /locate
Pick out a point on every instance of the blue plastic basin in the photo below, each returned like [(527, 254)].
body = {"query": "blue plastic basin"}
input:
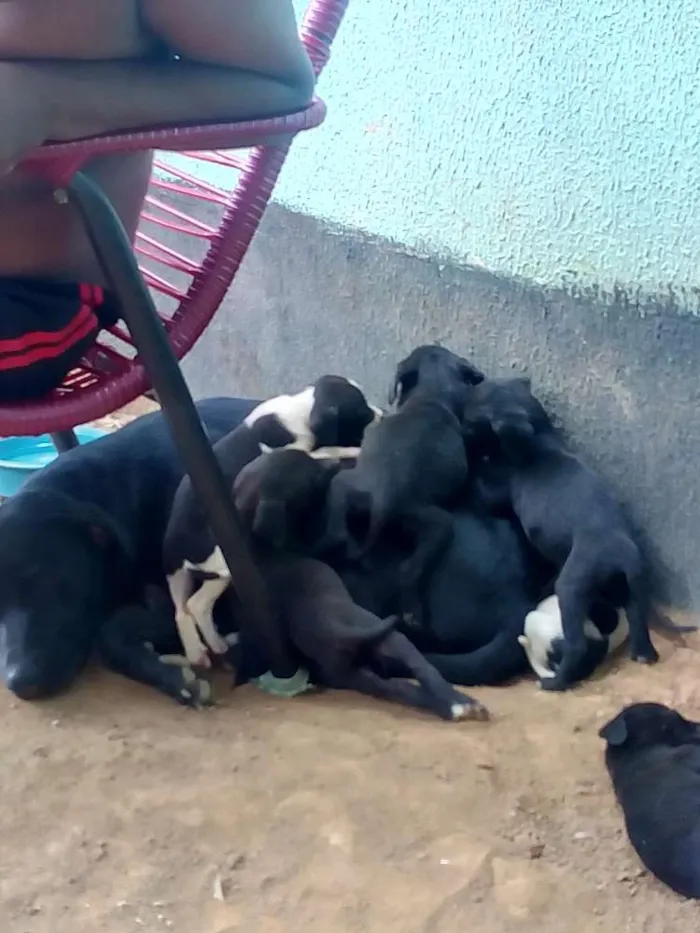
[(20, 457)]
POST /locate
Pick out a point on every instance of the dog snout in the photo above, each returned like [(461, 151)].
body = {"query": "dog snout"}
[(34, 679)]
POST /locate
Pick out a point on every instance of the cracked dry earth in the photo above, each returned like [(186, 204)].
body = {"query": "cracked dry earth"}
[(120, 811)]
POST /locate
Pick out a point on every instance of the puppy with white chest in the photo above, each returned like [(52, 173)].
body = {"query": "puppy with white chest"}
[(332, 413)]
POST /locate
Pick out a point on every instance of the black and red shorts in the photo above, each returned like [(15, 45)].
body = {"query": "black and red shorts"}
[(45, 329)]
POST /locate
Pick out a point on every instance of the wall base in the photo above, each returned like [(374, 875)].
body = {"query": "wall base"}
[(310, 300)]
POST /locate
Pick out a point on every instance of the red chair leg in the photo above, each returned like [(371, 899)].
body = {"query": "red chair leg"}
[(116, 258)]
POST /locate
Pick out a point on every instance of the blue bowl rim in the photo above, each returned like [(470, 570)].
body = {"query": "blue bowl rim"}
[(85, 431)]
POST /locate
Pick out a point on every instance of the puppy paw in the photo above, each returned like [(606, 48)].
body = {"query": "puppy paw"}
[(648, 656), (196, 692), (468, 709), (553, 684)]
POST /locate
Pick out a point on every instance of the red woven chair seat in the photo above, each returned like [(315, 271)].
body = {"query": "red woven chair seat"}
[(189, 287)]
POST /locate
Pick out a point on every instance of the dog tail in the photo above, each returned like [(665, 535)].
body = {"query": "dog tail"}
[(493, 664), (662, 623), (369, 631)]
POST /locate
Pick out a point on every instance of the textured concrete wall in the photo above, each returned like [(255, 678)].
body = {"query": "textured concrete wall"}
[(541, 138), (309, 300)]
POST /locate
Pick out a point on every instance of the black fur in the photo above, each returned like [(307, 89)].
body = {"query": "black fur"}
[(338, 417), (411, 464), (82, 538), (653, 758), (571, 518), (475, 599), (432, 368), (346, 646)]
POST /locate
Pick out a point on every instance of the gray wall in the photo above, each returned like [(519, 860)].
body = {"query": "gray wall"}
[(622, 378)]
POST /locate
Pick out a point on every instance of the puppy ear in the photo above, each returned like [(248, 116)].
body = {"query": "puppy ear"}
[(523, 382), (469, 373), (270, 522), (102, 529), (405, 380), (615, 732), (513, 434), (323, 423)]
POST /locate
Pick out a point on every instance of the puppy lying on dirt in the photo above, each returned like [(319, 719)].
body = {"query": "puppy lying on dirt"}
[(653, 758)]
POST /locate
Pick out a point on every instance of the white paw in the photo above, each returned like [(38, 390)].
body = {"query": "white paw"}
[(174, 660), (473, 710), (195, 652), (216, 643)]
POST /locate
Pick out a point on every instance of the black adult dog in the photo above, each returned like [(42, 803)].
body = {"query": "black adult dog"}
[(569, 516), (653, 757), (474, 603), (82, 538)]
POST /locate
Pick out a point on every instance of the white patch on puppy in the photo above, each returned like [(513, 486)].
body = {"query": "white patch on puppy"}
[(544, 634)]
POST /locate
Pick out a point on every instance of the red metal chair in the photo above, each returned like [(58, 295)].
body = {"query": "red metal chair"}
[(127, 362)]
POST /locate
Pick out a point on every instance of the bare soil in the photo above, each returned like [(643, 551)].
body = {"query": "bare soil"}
[(120, 811)]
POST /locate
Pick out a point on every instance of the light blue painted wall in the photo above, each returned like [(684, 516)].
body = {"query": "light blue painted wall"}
[(542, 138)]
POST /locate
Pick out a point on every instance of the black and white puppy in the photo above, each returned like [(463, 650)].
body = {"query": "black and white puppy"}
[(653, 758), (81, 540), (327, 419)]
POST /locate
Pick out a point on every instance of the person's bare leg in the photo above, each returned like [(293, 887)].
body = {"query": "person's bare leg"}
[(236, 61)]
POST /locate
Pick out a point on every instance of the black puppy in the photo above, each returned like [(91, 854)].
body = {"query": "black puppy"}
[(346, 646), (497, 411), (282, 495), (333, 411), (278, 496), (653, 757), (432, 368), (411, 465), (81, 539), (571, 518)]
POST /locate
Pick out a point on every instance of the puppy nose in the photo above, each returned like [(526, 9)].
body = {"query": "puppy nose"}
[(26, 682)]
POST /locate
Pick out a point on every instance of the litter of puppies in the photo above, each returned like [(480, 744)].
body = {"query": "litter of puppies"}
[(452, 541)]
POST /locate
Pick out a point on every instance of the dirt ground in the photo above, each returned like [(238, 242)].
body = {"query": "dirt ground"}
[(332, 813)]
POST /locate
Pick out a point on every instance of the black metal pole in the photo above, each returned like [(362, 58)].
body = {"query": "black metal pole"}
[(116, 256), (65, 440)]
